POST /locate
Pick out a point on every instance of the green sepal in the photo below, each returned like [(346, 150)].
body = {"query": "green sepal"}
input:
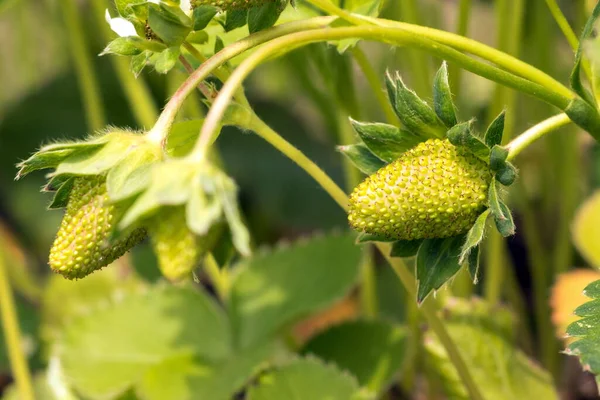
[(362, 158), (405, 248), (61, 197), (227, 191), (391, 88), (235, 19), (473, 264), (494, 132), (137, 63), (123, 46), (575, 78), (55, 183), (264, 16), (437, 262), (42, 160), (387, 142), (202, 16), (498, 155), (415, 114), (461, 135), (50, 156), (585, 116), (494, 200), (182, 137), (364, 237), (504, 222), (474, 236), (169, 23), (507, 174), (197, 37), (167, 59), (442, 97), (94, 160), (132, 174)]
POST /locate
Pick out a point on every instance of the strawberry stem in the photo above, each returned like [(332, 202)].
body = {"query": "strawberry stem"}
[(534, 133)]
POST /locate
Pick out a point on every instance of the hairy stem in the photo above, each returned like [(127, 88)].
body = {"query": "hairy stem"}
[(521, 142), (12, 336)]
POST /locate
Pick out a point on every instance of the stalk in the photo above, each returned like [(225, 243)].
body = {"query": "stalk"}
[(12, 336)]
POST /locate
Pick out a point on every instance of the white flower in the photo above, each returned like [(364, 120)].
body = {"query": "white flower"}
[(120, 26)]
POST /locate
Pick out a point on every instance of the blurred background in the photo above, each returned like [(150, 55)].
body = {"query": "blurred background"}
[(300, 95)]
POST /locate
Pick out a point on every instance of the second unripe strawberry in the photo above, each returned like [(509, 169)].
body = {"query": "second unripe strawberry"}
[(434, 190)]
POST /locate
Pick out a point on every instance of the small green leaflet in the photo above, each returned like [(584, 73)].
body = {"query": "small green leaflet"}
[(437, 261)]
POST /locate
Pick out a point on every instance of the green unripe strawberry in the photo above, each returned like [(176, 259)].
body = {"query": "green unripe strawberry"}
[(177, 248), (433, 190), (231, 4), (82, 243)]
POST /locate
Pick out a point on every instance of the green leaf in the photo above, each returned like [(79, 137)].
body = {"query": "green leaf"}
[(505, 225), (474, 236), (372, 351), (166, 60), (235, 19), (273, 289), (387, 142), (461, 135), (437, 261), (169, 23), (197, 37), (442, 97), (575, 78), (362, 158), (137, 63), (263, 17), (405, 248), (122, 345), (415, 114), (586, 229), (506, 174), (587, 331), (63, 299), (494, 132), (305, 379), (485, 338), (202, 16), (61, 198), (123, 7)]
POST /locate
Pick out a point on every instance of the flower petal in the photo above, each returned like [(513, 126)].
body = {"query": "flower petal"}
[(120, 26)]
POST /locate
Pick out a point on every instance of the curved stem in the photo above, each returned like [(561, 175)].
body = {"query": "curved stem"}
[(83, 66), (375, 85), (389, 35), (506, 61), (12, 336), (170, 111), (563, 24), (534, 133)]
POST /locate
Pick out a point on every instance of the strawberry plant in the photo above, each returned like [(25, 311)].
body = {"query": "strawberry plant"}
[(195, 261)]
